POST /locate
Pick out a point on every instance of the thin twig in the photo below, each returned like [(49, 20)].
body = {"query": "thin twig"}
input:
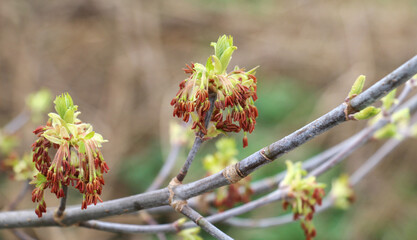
[(130, 228), (62, 204), (17, 122), (166, 168), (19, 197), (197, 141), (204, 224), (12, 206)]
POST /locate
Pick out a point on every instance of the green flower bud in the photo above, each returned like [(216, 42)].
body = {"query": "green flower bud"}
[(357, 86), (367, 113), (389, 99)]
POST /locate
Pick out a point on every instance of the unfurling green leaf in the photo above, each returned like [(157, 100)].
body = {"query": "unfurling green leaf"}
[(402, 116), (342, 192), (226, 57), (389, 99), (389, 131), (217, 65), (89, 135), (367, 113), (190, 234), (222, 44), (69, 116), (357, 86), (63, 103)]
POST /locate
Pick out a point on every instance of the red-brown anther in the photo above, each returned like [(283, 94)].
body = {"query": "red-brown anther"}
[(186, 117), (104, 167), (285, 205), (217, 117), (251, 76), (38, 212), (182, 84), (60, 193), (90, 187), (96, 162), (49, 175), (84, 205), (309, 216), (80, 186), (189, 69), (313, 233), (296, 216), (255, 97), (96, 184), (245, 141), (38, 130), (54, 188), (313, 209)]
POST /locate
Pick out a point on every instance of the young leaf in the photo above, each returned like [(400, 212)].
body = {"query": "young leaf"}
[(217, 65), (401, 116), (367, 113), (60, 106), (357, 86), (226, 57), (89, 135), (389, 131), (389, 99), (222, 44), (69, 116)]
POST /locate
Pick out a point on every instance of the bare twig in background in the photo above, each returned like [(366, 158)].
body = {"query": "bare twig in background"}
[(197, 141), (12, 206), (17, 123), (62, 204), (204, 224), (166, 168), (19, 197)]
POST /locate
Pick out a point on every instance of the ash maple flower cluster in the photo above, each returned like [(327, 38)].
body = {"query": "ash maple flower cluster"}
[(304, 194), (235, 93), (77, 162), (227, 196)]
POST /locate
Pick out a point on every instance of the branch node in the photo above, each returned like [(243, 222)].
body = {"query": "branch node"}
[(349, 110), (176, 204), (59, 217), (262, 152), (232, 173), (198, 220)]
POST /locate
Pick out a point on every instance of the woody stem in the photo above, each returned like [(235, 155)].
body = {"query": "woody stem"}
[(197, 141), (63, 202)]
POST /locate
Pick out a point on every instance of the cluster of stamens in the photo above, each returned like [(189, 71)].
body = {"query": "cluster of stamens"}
[(234, 108), (77, 160), (304, 194)]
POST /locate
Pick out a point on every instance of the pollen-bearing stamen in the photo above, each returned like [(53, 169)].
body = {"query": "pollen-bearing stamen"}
[(234, 108), (77, 162)]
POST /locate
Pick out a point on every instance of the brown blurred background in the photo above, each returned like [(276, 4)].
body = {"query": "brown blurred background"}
[(121, 61)]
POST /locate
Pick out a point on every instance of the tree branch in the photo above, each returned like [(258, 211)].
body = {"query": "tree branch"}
[(197, 141), (204, 224), (245, 167)]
